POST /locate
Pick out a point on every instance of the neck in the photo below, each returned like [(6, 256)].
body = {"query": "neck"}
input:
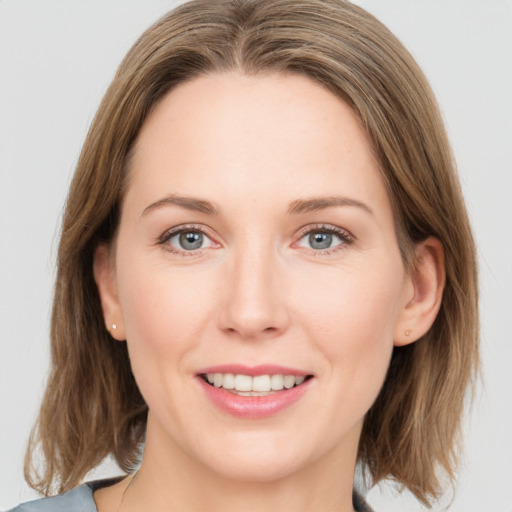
[(325, 484)]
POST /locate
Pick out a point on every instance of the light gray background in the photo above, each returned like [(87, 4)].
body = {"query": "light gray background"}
[(56, 60)]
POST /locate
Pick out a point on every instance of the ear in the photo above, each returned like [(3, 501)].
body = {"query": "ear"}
[(104, 275), (422, 293)]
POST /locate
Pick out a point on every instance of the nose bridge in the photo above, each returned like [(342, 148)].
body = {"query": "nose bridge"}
[(254, 305)]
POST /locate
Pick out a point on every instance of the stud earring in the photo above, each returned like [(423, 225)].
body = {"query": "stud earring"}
[(114, 327), (407, 332)]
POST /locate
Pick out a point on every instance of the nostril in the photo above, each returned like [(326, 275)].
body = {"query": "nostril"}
[(249, 332)]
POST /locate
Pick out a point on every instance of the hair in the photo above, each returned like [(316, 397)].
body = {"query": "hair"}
[(92, 406)]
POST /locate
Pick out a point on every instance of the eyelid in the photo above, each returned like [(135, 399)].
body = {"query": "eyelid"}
[(331, 228), (346, 237), (171, 232)]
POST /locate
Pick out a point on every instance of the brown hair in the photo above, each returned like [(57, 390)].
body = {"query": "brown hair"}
[(92, 406)]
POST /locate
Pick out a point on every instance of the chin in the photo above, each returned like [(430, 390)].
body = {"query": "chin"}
[(256, 471), (258, 458)]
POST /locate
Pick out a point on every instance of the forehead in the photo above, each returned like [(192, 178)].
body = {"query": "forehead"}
[(264, 135)]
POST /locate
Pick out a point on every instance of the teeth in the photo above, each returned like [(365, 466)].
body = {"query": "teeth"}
[(251, 393), (261, 383), (228, 381), (218, 380), (289, 381), (242, 382), (276, 381), (246, 385)]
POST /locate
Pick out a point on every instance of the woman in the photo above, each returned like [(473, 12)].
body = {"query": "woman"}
[(266, 272)]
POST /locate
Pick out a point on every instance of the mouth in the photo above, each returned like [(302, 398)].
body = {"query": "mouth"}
[(254, 392), (255, 385)]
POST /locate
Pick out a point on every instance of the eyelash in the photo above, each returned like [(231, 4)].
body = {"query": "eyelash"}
[(164, 239), (345, 237)]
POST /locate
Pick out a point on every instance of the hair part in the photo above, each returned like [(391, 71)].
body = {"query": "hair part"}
[(92, 406)]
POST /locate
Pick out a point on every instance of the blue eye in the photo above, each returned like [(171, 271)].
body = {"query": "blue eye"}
[(325, 238), (319, 241), (188, 240)]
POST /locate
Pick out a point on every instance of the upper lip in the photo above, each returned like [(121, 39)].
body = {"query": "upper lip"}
[(261, 369)]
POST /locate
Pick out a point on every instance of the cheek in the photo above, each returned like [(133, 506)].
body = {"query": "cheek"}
[(164, 314), (356, 301), (351, 319)]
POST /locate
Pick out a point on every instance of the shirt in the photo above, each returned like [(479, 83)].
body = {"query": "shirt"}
[(80, 499)]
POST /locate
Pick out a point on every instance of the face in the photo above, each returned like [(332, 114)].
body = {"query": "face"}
[(256, 244)]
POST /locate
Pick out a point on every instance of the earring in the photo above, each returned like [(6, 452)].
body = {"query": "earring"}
[(114, 327), (407, 332)]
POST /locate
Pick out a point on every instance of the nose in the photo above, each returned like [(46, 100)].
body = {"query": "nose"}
[(253, 305)]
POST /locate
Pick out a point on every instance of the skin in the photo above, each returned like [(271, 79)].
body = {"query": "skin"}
[(256, 292)]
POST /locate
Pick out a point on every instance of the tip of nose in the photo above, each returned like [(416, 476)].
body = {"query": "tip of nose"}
[(251, 332), (253, 312)]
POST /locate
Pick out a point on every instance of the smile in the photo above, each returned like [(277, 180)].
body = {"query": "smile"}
[(253, 392), (258, 385)]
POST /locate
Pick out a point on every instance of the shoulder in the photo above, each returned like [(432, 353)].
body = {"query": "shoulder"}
[(79, 499), (359, 503)]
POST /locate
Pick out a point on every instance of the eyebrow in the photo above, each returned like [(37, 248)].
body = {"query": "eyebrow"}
[(296, 207), (321, 203), (189, 203)]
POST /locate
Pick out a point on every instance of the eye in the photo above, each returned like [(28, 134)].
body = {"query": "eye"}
[(324, 238), (186, 239), (321, 241)]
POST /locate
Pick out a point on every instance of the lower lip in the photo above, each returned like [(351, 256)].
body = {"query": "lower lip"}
[(254, 407)]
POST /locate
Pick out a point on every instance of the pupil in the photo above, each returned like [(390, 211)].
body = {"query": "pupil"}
[(191, 240), (320, 240)]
